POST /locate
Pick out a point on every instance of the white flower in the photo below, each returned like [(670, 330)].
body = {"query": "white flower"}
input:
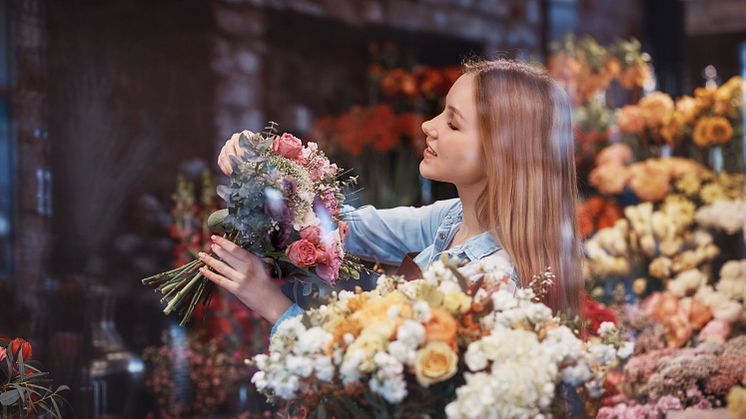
[(576, 375), (324, 368), (538, 314), (448, 286), (298, 365), (394, 311), (411, 333), (345, 295), (349, 338), (314, 340), (404, 353), (602, 353), (286, 388), (607, 330), (626, 350), (503, 300), (421, 311), (349, 368), (393, 389), (474, 357), (562, 345)]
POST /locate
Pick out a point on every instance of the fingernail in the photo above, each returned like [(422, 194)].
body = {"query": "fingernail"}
[(201, 254), (214, 237)]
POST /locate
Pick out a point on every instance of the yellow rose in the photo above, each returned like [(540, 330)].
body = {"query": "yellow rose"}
[(457, 302), (434, 363)]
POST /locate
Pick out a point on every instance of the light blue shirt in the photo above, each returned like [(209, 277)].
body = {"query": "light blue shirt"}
[(387, 235)]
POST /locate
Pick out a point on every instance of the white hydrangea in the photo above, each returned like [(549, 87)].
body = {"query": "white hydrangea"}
[(576, 375), (393, 389), (474, 357), (298, 365), (503, 300), (626, 350), (324, 368), (349, 369), (345, 295), (603, 354), (404, 353), (314, 340)]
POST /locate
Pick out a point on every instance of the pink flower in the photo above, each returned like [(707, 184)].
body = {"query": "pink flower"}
[(312, 234), (302, 253), (343, 230), (715, 331), (287, 145), (3, 353), (329, 269)]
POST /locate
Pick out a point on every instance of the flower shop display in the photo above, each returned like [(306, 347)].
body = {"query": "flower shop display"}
[(24, 388), (464, 346), (284, 205)]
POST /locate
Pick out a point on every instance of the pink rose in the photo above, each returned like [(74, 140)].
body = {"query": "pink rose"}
[(329, 269), (312, 234), (343, 230), (287, 145), (302, 253)]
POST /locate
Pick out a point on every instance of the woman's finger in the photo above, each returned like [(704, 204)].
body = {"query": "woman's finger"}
[(235, 144), (220, 280), (220, 266), (235, 250), (225, 168), (237, 264)]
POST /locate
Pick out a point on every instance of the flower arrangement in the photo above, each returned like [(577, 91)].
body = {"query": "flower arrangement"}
[(471, 347), (23, 389), (584, 67), (284, 205), (208, 373)]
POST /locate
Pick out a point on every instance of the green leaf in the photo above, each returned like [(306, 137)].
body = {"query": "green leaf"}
[(9, 397), (21, 365)]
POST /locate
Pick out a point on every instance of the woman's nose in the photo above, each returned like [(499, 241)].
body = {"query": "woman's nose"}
[(427, 129)]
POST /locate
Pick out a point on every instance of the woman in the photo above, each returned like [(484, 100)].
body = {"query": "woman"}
[(504, 139)]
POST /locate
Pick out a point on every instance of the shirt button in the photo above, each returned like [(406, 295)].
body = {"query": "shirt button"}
[(441, 236)]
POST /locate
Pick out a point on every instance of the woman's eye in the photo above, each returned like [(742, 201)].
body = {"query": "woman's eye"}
[(450, 125)]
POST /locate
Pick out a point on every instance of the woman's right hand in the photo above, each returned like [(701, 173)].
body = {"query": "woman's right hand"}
[(243, 275), (231, 148)]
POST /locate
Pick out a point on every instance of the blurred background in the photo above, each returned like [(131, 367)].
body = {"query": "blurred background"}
[(112, 114)]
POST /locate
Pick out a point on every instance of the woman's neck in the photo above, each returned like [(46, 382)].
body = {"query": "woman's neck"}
[(469, 194)]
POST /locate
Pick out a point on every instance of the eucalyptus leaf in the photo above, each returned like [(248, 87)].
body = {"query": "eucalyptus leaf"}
[(216, 221), (9, 397)]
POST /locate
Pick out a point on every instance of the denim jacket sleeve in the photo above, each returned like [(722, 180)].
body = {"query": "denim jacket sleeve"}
[(386, 235)]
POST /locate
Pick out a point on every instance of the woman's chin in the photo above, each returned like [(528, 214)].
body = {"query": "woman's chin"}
[(426, 171)]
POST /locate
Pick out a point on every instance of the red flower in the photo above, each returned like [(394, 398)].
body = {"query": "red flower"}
[(21, 345), (596, 313)]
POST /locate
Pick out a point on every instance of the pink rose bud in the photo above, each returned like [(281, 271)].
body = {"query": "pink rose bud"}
[(302, 253), (312, 234), (287, 145)]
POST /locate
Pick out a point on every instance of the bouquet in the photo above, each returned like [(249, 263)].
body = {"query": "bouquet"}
[(21, 389), (445, 344), (284, 204)]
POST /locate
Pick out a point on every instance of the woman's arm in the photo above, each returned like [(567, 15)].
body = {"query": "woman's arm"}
[(386, 235)]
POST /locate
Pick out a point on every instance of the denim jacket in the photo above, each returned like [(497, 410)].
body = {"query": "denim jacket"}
[(387, 235)]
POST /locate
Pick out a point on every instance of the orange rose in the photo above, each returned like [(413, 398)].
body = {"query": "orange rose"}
[(655, 107), (441, 327), (701, 132), (610, 179), (648, 181), (673, 127), (705, 97), (629, 119)]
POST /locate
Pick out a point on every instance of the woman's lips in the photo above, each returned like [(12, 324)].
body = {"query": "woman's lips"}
[(429, 152)]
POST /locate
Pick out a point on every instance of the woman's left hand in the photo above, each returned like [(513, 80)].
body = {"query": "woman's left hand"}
[(242, 274)]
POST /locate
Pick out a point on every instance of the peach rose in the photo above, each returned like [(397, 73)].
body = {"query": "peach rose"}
[(302, 253), (312, 234), (648, 181), (287, 145), (629, 119), (617, 153), (434, 363), (441, 327), (610, 179)]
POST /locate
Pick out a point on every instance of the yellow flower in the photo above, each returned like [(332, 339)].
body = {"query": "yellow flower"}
[(712, 192), (701, 133), (434, 363), (688, 184), (378, 309), (737, 401), (705, 97), (457, 302), (673, 127), (720, 130)]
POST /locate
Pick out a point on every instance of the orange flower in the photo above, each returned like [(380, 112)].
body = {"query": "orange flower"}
[(410, 125), (673, 127), (441, 327), (610, 179), (649, 181), (705, 97), (720, 130), (687, 106), (617, 153), (655, 107), (635, 75), (701, 132), (629, 119)]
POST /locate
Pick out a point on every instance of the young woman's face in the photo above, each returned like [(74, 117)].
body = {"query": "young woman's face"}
[(454, 151)]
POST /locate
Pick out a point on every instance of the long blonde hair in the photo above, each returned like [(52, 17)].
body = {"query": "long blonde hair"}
[(525, 122)]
